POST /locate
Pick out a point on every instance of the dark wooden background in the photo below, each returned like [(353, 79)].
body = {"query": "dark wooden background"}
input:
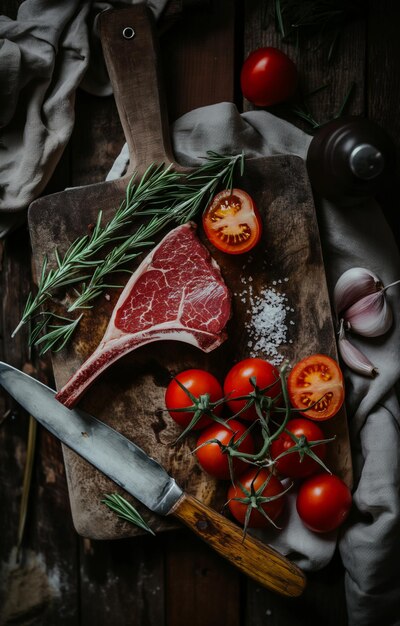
[(173, 579)]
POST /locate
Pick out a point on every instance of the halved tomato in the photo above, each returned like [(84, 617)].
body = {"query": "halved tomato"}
[(232, 222), (316, 387)]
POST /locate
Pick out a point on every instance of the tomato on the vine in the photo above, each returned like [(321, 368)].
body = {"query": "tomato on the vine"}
[(237, 383), (232, 222), (268, 77), (293, 464), (255, 479), (211, 456), (323, 502), (198, 382), (316, 387)]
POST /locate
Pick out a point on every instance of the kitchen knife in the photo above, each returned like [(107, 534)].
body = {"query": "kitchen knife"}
[(144, 478)]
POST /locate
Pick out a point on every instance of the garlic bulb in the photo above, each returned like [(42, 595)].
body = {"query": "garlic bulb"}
[(370, 316), (360, 303), (354, 358), (353, 285)]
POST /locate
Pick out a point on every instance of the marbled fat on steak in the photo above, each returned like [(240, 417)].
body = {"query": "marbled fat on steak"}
[(176, 293)]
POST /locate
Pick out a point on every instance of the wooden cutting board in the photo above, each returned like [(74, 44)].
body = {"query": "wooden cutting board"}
[(288, 261)]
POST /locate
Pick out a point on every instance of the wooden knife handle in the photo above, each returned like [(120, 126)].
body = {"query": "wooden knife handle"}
[(130, 49), (254, 558)]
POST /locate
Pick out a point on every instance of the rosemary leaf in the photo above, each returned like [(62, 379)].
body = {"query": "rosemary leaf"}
[(345, 101), (298, 21), (69, 268), (302, 109), (126, 511), (58, 337), (279, 18)]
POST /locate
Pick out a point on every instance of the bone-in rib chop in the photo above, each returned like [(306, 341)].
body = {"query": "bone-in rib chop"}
[(176, 293)]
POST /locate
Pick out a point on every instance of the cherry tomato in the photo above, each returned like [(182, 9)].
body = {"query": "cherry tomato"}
[(268, 77), (232, 222), (256, 478), (291, 464), (213, 460), (316, 380), (198, 382), (323, 502), (237, 384)]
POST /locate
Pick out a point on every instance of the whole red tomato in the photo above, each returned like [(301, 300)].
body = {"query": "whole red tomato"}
[(291, 464), (268, 77), (211, 457), (256, 478), (323, 502), (232, 222), (237, 383), (198, 382)]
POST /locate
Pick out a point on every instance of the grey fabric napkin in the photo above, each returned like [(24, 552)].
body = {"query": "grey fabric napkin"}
[(44, 55)]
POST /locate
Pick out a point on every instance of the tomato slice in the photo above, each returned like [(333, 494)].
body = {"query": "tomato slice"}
[(316, 382), (232, 222)]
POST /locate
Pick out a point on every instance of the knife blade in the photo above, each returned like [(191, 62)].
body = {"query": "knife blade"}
[(144, 478)]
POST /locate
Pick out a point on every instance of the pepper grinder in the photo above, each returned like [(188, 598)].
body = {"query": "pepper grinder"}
[(349, 157)]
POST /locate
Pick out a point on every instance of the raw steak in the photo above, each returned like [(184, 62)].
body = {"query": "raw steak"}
[(177, 293)]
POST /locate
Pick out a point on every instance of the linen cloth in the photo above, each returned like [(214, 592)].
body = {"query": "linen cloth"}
[(44, 56)]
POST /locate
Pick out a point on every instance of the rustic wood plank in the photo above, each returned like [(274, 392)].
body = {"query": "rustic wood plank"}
[(197, 58), (383, 75), (383, 91), (201, 589), (13, 427), (41, 586), (10, 8), (122, 582), (323, 602), (96, 140)]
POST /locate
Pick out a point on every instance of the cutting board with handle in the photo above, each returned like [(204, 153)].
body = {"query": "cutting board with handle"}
[(287, 262)]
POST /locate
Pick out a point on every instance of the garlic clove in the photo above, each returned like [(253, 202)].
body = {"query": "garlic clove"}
[(370, 316), (353, 285), (354, 358)]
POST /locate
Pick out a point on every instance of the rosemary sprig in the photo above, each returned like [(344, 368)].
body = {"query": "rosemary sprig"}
[(298, 21), (77, 261), (303, 111), (163, 196), (126, 511)]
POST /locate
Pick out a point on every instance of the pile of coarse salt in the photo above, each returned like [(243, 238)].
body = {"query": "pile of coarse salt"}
[(267, 325)]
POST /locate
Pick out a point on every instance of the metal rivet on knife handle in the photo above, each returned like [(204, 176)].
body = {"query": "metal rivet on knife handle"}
[(128, 32)]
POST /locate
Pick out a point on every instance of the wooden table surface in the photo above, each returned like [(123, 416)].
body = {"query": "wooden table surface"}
[(173, 579)]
